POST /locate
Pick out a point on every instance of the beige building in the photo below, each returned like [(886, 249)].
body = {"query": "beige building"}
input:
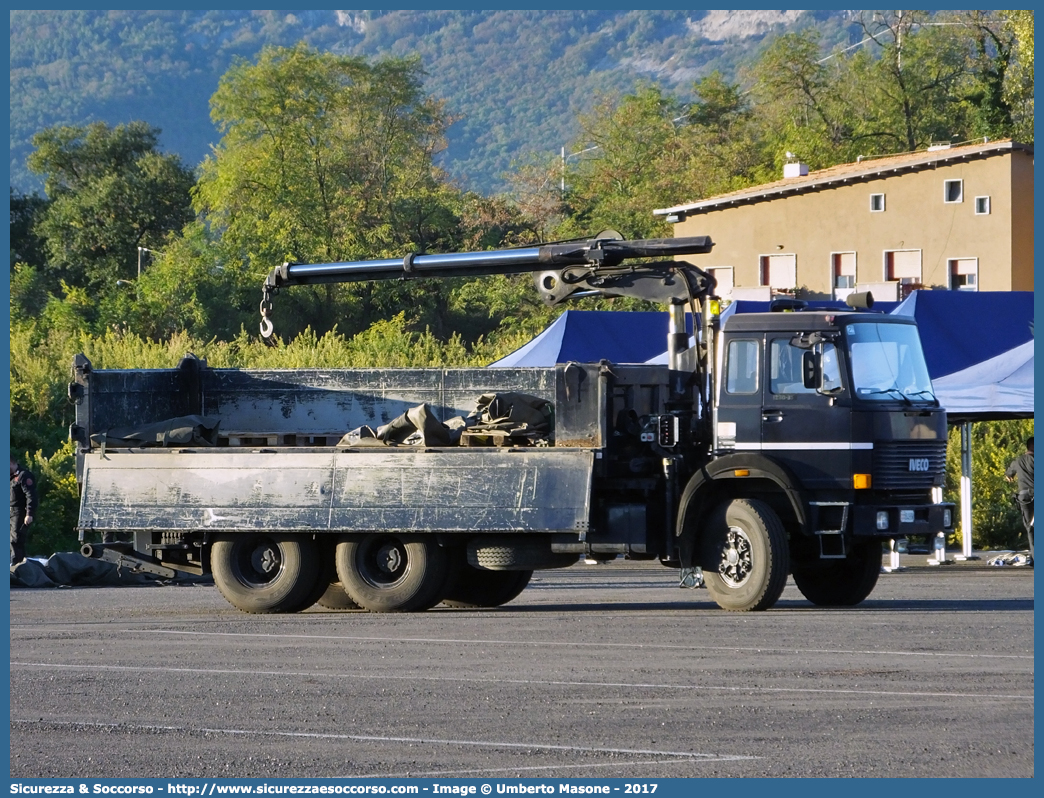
[(951, 217)]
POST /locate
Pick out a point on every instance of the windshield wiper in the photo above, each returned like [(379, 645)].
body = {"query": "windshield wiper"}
[(925, 391), (890, 390)]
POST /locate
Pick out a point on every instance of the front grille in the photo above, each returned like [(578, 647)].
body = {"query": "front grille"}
[(891, 468)]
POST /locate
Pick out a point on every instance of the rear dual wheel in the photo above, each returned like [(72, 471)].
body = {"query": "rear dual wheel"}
[(382, 572), (390, 572), (266, 572), (329, 592), (335, 598)]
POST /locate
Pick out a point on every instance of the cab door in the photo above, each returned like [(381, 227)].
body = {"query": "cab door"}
[(738, 421), (808, 430)]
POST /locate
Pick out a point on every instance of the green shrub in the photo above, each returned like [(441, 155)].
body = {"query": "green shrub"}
[(996, 520), (54, 526)]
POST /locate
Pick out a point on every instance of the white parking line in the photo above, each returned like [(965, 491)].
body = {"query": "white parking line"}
[(573, 749), (535, 682), (533, 768), (571, 644)]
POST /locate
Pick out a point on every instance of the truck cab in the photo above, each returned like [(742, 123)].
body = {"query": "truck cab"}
[(828, 418)]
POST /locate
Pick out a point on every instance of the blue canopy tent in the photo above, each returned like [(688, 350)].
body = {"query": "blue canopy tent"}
[(587, 336), (961, 328)]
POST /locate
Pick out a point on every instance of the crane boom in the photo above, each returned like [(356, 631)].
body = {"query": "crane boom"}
[(592, 267)]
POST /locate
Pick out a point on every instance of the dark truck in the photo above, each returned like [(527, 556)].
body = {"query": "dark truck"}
[(790, 442)]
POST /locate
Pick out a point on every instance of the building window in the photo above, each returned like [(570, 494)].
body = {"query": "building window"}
[(982, 206), (904, 267), (725, 275), (877, 203), (843, 265), (953, 191), (964, 274), (779, 272), (741, 372)]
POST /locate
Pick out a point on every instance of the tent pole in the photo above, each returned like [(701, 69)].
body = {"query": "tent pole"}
[(966, 493)]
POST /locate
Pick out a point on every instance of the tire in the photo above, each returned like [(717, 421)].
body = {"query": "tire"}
[(475, 588), (329, 592), (842, 583), (516, 554), (265, 572), (327, 574), (335, 598), (745, 555), (389, 572)]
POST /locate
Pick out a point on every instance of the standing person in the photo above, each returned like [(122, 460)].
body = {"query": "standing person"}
[(23, 509), (1021, 471)]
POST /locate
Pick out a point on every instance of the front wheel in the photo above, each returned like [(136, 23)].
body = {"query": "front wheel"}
[(745, 555), (265, 572), (842, 583), (390, 572)]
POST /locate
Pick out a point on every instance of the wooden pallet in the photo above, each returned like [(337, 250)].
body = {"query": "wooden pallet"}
[(493, 437)]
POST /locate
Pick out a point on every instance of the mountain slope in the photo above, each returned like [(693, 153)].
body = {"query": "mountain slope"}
[(517, 80)]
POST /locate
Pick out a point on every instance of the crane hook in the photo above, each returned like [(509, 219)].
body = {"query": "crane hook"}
[(267, 328)]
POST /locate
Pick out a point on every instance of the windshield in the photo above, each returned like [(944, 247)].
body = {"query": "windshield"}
[(888, 363)]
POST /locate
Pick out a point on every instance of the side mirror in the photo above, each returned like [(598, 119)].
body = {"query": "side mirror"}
[(811, 371)]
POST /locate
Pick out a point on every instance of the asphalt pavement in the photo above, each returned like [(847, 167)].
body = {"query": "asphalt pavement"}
[(594, 671)]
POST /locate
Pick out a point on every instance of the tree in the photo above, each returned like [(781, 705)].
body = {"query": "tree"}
[(992, 57), (110, 191), (630, 162), (28, 285), (1019, 88), (328, 158), (726, 144), (26, 245), (910, 90), (193, 287)]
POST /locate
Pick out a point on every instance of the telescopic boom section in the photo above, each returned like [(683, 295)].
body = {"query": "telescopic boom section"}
[(596, 267)]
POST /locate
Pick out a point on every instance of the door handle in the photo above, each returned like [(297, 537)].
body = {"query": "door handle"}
[(772, 416)]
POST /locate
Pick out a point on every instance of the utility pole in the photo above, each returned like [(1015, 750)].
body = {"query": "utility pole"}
[(145, 249)]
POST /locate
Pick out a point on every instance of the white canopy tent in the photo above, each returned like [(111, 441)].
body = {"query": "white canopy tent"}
[(1001, 387), (998, 388)]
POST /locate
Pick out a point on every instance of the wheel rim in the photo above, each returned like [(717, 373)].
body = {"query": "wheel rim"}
[(258, 563), (384, 562), (736, 562)]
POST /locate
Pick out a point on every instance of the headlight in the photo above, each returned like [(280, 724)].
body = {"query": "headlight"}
[(882, 519)]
